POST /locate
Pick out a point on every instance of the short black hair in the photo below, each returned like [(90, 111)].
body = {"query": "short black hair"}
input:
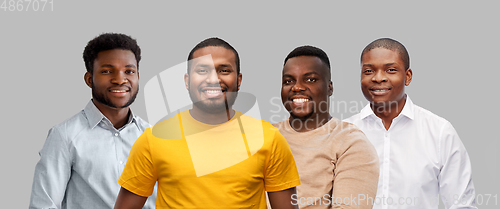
[(309, 51), (215, 41), (392, 45), (109, 41)]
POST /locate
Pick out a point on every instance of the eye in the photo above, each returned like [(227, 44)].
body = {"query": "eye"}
[(225, 71), (287, 81), (311, 80), (130, 71), (105, 71), (366, 71), (201, 71)]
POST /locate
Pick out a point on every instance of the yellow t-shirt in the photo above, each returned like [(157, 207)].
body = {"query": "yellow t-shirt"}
[(197, 165)]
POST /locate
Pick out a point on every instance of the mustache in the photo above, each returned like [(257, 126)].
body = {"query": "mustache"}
[(120, 86)]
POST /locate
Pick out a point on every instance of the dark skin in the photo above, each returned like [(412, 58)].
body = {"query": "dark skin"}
[(129, 200), (216, 73), (201, 78), (282, 199), (383, 82), (115, 78), (305, 92)]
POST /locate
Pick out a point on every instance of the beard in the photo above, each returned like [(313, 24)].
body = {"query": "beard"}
[(214, 106), (101, 98), (303, 118)]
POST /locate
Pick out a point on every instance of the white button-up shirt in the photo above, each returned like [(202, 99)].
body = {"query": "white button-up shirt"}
[(420, 156)]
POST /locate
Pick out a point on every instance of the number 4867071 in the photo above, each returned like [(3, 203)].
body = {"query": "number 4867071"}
[(27, 5)]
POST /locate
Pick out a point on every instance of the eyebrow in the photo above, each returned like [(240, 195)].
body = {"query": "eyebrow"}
[(203, 65), (311, 73), (112, 66), (388, 64), (224, 65), (306, 74)]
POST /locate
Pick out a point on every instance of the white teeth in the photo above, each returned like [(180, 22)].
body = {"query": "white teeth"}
[(213, 91), (381, 90), (118, 91), (300, 100)]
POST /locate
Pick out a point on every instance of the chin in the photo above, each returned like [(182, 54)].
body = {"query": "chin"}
[(301, 115)]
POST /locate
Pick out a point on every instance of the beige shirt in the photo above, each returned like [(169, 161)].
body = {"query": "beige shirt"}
[(338, 166)]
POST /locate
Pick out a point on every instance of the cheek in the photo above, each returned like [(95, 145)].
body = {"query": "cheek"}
[(284, 91)]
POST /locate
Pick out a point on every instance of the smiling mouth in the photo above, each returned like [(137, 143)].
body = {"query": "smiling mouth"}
[(300, 100), (380, 92), (119, 91), (213, 93)]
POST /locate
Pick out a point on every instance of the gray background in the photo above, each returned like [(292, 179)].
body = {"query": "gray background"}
[(453, 49)]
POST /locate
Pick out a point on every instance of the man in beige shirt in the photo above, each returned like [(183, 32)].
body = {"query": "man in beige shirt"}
[(338, 166)]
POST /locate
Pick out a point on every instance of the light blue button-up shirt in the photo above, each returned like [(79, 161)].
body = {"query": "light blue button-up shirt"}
[(81, 161)]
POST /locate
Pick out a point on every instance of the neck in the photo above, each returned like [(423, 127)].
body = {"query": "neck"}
[(117, 116), (387, 112), (211, 117), (310, 123)]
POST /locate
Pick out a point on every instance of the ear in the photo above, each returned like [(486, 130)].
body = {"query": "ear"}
[(240, 76), (409, 75), (88, 79), (186, 81), (330, 88)]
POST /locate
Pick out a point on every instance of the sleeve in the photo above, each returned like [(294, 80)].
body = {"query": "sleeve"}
[(139, 175), (455, 179), (52, 172), (281, 172), (356, 172)]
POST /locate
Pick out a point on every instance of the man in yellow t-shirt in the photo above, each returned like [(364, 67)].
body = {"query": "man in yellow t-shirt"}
[(210, 156)]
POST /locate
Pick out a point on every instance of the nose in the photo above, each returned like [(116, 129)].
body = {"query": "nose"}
[(379, 76), (119, 78), (298, 86), (213, 77)]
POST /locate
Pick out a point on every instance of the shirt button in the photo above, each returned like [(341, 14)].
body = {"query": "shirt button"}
[(121, 162), (116, 134)]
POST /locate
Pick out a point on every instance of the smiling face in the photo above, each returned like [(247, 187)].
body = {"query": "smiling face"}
[(213, 79), (306, 87), (115, 79), (384, 77)]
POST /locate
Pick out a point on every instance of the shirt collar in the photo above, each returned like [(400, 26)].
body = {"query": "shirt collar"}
[(94, 115), (407, 110)]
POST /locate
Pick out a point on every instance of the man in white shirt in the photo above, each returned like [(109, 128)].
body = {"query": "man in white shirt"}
[(420, 153)]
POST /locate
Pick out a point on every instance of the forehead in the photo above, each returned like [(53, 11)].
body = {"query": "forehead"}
[(116, 54), (305, 64), (381, 55), (220, 55), (116, 58)]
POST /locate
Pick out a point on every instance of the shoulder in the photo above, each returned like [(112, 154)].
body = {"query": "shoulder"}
[(141, 123), (353, 119), (73, 125), (429, 119), (252, 123), (347, 136), (167, 129)]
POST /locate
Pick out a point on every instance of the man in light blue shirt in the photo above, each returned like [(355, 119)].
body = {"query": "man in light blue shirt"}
[(83, 157)]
